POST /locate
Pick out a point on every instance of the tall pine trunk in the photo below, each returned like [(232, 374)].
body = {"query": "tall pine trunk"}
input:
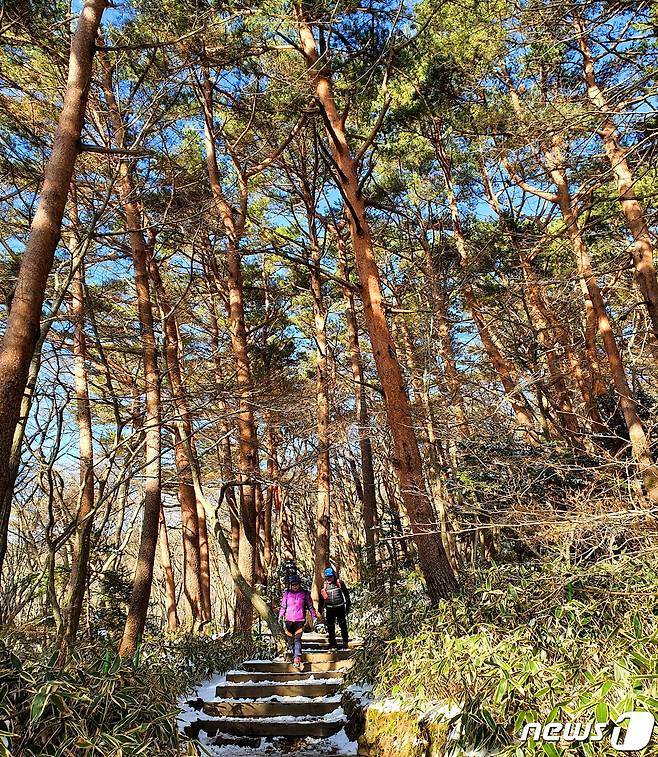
[(593, 388), (72, 609), (224, 452), (247, 437), (446, 348), (23, 320), (637, 435), (431, 554), (271, 509), (368, 498), (323, 529), (182, 430), (420, 394), (132, 212), (168, 573), (617, 155)]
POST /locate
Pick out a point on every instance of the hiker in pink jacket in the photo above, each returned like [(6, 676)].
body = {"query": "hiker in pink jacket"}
[(294, 603)]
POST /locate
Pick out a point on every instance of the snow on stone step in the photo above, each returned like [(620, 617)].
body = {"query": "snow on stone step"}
[(281, 666), (319, 728), (318, 638), (271, 699), (272, 707), (251, 690), (322, 655), (315, 636), (334, 698), (333, 716), (312, 644), (337, 745), (237, 676), (332, 677)]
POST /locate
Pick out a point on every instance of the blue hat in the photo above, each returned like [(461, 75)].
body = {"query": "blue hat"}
[(329, 572), (294, 580)]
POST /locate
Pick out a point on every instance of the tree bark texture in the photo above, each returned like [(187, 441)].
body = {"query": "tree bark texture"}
[(431, 554), (23, 321), (132, 212), (247, 437)]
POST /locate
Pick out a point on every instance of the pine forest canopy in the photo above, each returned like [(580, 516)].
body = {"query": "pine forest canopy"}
[(370, 285)]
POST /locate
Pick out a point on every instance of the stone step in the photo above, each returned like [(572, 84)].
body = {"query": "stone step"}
[(324, 637), (253, 742), (321, 655), (261, 690), (316, 637), (319, 639), (324, 642), (264, 709), (194, 729), (240, 676), (276, 666), (313, 636), (326, 648), (263, 727)]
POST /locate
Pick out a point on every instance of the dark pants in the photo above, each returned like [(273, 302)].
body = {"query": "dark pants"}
[(294, 637), (333, 614)]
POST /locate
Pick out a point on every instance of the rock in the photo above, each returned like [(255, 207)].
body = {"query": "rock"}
[(392, 729), (390, 732), (355, 714)]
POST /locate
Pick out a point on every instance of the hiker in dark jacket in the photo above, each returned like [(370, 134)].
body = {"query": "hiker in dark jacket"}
[(335, 601)]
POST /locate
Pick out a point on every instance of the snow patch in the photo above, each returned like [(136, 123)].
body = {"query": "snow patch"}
[(362, 692), (278, 698), (441, 711), (342, 744), (389, 705), (205, 690), (303, 682), (330, 717)]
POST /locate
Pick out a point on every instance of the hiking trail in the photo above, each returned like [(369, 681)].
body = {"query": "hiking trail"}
[(268, 707)]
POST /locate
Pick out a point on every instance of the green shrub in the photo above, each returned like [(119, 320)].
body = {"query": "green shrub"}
[(523, 643), (99, 704)]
